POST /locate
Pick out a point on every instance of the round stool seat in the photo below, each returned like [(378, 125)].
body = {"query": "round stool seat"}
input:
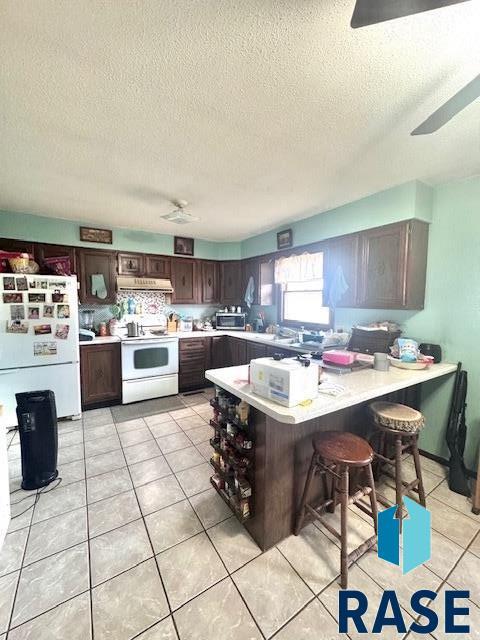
[(397, 417), (343, 448)]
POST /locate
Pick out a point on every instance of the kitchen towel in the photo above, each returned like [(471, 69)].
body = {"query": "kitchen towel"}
[(338, 288), (249, 292), (99, 288)]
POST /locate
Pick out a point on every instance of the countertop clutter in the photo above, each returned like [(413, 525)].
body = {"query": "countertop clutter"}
[(359, 386)]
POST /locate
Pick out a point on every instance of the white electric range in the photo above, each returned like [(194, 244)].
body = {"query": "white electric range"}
[(149, 366)]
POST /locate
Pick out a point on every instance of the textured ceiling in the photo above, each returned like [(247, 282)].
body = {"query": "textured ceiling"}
[(258, 112)]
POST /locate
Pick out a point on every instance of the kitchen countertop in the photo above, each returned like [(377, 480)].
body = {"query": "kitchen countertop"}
[(262, 338), (99, 340), (360, 386)]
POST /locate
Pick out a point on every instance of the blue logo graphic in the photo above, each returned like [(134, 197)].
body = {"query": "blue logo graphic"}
[(414, 539)]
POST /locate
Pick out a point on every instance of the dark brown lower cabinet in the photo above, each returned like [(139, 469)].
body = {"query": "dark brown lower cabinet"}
[(100, 374), (285, 353), (238, 347), (194, 360), (221, 352), (255, 351)]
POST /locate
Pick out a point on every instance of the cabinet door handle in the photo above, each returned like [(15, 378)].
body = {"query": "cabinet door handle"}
[(183, 281), (209, 282)]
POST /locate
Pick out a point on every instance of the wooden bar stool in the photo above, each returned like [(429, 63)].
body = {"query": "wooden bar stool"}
[(334, 452), (398, 426)]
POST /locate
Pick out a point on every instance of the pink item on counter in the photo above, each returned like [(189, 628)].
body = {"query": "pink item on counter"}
[(338, 356)]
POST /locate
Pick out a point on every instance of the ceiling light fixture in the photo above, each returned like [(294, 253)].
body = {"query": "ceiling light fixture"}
[(179, 215)]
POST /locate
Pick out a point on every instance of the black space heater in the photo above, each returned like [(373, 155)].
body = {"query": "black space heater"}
[(37, 424)]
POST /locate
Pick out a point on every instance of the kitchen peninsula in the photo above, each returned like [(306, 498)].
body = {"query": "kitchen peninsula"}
[(282, 436)]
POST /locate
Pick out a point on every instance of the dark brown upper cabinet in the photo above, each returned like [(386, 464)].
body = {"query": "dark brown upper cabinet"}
[(341, 258), (157, 266), (267, 288), (262, 270), (184, 281), (210, 281), (22, 246), (131, 264), (393, 263), (95, 263), (384, 268), (43, 251), (231, 279)]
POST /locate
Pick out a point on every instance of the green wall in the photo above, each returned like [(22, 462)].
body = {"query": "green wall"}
[(452, 309), (409, 200), (452, 306), (24, 226)]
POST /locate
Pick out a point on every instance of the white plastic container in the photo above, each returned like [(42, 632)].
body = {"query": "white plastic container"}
[(287, 381)]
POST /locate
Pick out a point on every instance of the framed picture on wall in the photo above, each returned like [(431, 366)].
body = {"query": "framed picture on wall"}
[(90, 234), (285, 239), (183, 246)]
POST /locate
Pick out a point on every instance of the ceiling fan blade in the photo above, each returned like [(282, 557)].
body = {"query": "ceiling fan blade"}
[(369, 12), (449, 109)]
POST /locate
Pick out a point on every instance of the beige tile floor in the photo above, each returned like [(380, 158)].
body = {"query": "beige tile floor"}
[(135, 543)]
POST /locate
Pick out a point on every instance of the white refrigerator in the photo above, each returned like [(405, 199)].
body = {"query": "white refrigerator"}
[(39, 341)]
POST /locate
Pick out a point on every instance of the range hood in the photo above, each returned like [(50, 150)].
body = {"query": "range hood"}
[(130, 283)]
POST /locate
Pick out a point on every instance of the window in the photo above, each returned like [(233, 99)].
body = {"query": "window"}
[(302, 284)]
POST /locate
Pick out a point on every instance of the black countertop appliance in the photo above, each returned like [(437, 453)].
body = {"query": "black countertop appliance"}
[(428, 349)]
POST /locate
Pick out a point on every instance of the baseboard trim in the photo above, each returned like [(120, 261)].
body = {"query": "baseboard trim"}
[(444, 462)]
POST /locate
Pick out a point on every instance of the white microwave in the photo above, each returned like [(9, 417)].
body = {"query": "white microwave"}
[(231, 321)]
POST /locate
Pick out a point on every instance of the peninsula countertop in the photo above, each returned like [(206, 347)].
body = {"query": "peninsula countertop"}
[(360, 386)]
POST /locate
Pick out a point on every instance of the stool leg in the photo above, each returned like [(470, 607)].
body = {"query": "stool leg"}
[(381, 450), (418, 470), (331, 490), (327, 490), (373, 497), (344, 527), (308, 482), (398, 478)]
